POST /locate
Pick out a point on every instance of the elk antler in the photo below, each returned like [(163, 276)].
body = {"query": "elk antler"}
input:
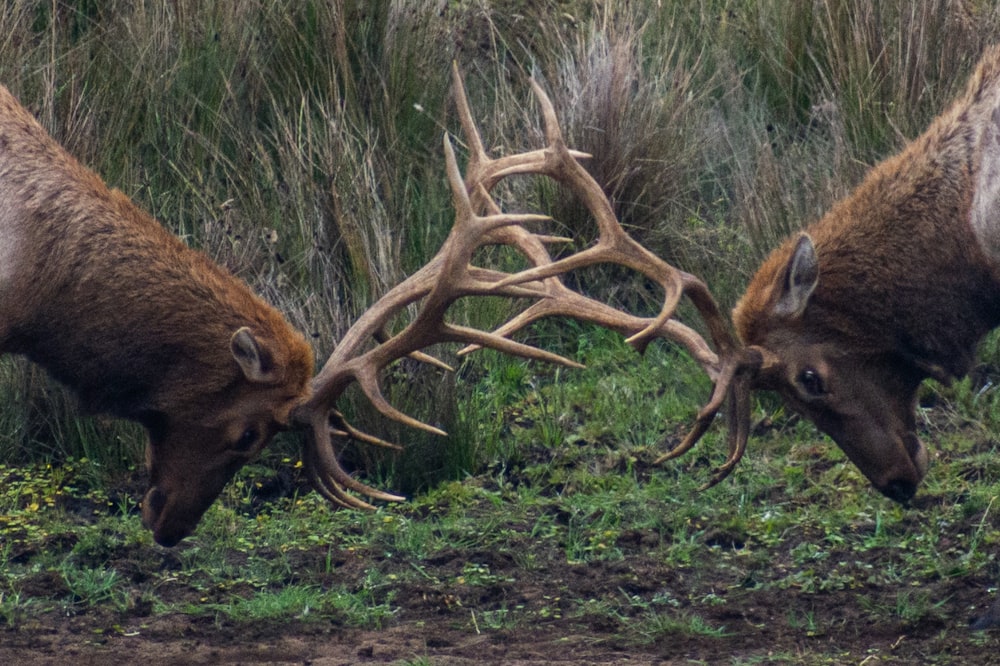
[(732, 370), (450, 275)]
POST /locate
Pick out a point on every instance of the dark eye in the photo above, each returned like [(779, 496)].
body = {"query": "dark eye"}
[(246, 440), (811, 382)]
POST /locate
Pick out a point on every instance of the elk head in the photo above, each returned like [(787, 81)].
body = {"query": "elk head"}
[(859, 393), (192, 452)]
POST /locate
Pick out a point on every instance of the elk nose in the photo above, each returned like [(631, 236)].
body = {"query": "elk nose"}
[(899, 490)]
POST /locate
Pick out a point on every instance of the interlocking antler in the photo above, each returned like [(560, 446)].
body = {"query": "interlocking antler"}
[(450, 275)]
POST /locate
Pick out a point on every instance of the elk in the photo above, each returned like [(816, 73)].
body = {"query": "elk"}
[(139, 325), (897, 283), (142, 327)]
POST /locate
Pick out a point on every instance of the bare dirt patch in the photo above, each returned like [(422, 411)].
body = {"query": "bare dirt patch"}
[(440, 630)]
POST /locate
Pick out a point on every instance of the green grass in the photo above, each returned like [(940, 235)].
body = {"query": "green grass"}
[(491, 553), (297, 602)]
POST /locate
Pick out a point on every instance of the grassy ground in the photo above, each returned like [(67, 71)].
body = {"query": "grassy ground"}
[(298, 144), (575, 550)]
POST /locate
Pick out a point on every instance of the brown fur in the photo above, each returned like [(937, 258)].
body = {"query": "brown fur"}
[(901, 268), (138, 324)]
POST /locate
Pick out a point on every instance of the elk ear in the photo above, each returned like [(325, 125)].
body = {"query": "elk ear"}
[(253, 357), (801, 278)]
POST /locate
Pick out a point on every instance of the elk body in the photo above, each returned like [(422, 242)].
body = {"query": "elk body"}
[(897, 283), (138, 324)]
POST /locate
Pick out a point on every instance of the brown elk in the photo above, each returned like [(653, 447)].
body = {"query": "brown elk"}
[(144, 328), (895, 284), (139, 325)]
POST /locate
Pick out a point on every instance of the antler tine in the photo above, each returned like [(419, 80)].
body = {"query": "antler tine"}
[(735, 383), (564, 302), (330, 479), (739, 432), (484, 172)]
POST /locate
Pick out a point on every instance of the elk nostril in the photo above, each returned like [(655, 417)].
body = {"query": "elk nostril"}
[(154, 502), (899, 490)]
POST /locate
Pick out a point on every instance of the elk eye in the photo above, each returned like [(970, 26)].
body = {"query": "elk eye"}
[(246, 440), (810, 380)]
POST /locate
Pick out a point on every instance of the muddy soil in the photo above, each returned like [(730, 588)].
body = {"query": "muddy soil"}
[(432, 628), (458, 624)]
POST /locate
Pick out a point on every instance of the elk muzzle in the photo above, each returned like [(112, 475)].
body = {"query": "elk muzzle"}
[(900, 484), (898, 471)]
